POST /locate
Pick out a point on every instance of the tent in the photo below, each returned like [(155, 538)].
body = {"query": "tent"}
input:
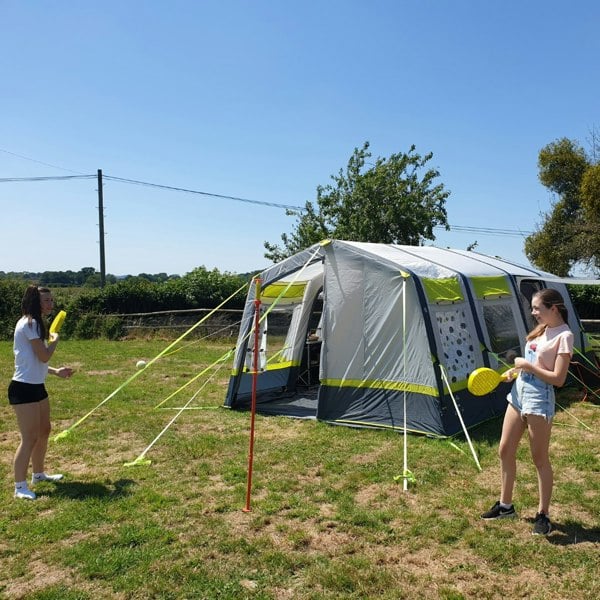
[(369, 333)]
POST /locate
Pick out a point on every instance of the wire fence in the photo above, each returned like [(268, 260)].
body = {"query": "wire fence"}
[(222, 324)]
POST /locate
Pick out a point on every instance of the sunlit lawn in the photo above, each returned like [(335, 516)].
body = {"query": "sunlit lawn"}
[(328, 518)]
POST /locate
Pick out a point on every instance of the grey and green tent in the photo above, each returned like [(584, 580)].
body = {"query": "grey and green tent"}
[(361, 334)]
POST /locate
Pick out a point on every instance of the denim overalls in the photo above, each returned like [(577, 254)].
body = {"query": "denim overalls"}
[(530, 395)]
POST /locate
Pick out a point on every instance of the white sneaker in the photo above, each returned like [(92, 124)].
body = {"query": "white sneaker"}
[(37, 477), (25, 494)]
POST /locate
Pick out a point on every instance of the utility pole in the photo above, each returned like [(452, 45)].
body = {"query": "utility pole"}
[(101, 229)]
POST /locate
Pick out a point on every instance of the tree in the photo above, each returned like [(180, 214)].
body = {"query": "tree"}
[(394, 201), (570, 232)]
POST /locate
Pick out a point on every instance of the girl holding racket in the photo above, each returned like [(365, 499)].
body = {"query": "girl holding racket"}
[(531, 404), (27, 393)]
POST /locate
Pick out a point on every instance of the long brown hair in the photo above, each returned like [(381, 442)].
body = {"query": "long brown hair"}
[(31, 306), (549, 297)]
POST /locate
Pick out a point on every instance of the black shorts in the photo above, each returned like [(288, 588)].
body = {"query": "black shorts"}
[(26, 393)]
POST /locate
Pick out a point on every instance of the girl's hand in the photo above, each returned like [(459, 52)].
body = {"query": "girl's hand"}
[(64, 372), (53, 337), (522, 363)]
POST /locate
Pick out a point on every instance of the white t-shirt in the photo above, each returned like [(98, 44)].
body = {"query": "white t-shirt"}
[(28, 367)]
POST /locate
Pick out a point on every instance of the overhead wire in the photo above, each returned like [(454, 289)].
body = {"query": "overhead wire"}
[(190, 191), (488, 230), (457, 228), (48, 178), (39, 162)]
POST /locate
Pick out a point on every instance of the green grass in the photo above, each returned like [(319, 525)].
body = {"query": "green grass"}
[(328, 520)]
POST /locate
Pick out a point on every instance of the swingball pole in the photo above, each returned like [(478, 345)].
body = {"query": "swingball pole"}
[(257, 282)]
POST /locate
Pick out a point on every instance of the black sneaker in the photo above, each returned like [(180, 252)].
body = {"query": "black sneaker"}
[(541, 524), (499, 512)]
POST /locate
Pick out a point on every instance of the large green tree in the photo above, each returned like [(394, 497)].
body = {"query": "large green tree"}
[(394, 200), (569, 234)]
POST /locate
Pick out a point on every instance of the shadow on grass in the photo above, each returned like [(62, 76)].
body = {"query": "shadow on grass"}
[(77, 490), (567, 534)]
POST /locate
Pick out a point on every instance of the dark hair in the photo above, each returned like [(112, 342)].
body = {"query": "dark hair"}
[(31, 306), (549, 297)]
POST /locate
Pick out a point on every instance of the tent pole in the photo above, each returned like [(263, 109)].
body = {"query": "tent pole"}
[(443, 371), (405, 473), (254, 382)]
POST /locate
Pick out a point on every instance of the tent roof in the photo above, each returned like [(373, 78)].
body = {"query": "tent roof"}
[(425, 261), (429, 261)]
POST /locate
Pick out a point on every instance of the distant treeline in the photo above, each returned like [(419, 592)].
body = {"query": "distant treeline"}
[(86, 277), (93, 311)]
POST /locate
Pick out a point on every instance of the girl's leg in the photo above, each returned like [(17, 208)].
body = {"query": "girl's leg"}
[(28, 419), (512, 431), (539, 442), (38, 455)]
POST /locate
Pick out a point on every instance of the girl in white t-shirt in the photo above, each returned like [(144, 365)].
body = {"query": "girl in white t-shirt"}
[(27, 393), (531, 404)]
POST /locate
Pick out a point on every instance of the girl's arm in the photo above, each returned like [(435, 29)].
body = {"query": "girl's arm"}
[(556, 377), (43, 352)]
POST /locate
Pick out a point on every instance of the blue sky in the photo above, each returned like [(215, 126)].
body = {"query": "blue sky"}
[(265, 100)]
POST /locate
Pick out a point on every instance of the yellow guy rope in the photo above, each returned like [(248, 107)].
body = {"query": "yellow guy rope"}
[(219, 360), (67, 431), (283, 292), (140, 460), (444, 376)]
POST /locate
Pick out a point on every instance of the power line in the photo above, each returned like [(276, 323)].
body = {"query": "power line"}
[(49, 178), (39, 162), (456, 228), (489, 230), (188, 191)]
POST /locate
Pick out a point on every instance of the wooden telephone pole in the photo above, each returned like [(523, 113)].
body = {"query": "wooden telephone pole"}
[(101, 229)]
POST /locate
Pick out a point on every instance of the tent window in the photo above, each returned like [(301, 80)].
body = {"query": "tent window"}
[(457, 343), (502, 330)]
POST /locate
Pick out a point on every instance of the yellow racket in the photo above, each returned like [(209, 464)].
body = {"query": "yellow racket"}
[(484, 381), (58, 321)]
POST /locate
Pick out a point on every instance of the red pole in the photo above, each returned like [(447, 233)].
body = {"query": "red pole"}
[(254, 381)]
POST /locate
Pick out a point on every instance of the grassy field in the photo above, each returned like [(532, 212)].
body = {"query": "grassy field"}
[(328, 519)]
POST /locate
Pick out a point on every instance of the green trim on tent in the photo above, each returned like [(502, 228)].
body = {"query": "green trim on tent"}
[(272, 367), (294, 292), (378, 384), (282, 365), (496, 286), (383, 426), (442, 290)]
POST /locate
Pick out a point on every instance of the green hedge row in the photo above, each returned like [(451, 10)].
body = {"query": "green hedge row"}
[(89, 309)]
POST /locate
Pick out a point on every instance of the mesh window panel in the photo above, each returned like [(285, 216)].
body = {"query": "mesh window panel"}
[(502, 329), (457, 343)]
